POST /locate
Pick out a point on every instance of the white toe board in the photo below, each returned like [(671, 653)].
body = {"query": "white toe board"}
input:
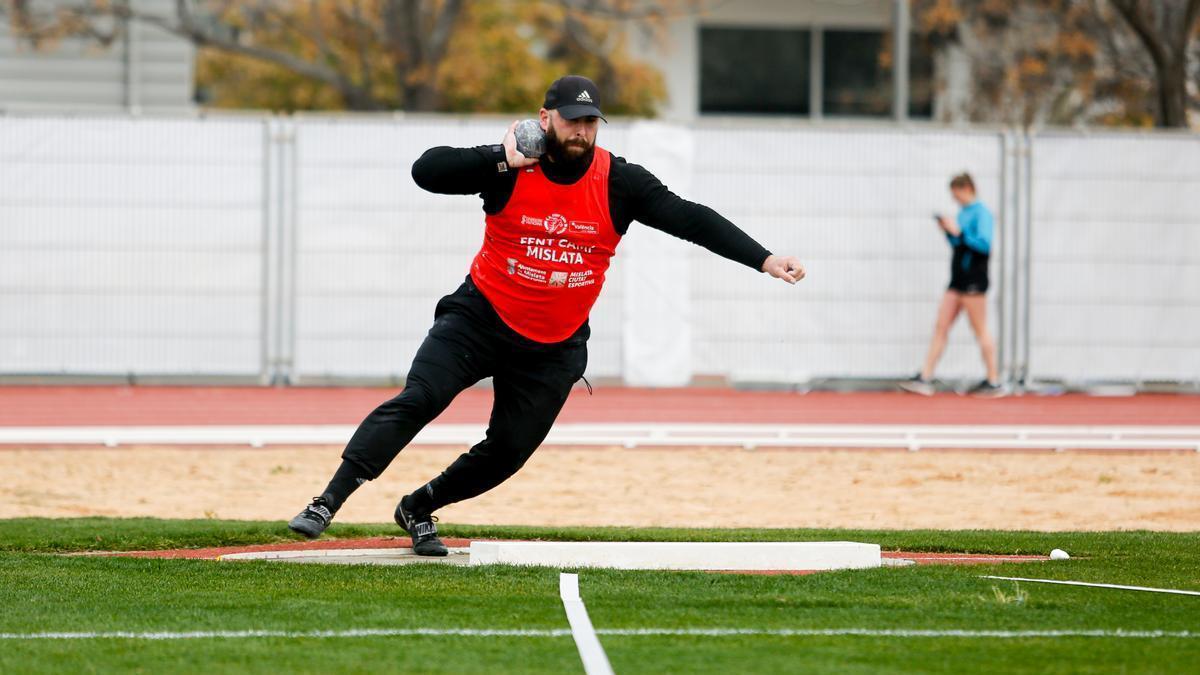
[(661, 555)]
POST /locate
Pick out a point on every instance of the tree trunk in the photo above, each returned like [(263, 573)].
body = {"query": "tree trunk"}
[(1168, 52), (416, 35), (1173, 95), (422, 96), (357, 100)]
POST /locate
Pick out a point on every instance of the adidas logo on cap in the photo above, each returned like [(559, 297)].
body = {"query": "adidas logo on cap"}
[(574, 94)]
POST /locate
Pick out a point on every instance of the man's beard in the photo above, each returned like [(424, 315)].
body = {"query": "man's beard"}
[(568, 153)]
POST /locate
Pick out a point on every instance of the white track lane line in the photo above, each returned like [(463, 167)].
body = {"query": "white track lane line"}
[(912, 437), (595, 661), (1085, 583), (618, 632)]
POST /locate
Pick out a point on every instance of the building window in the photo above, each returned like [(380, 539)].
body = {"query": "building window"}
[(857, 74), (753, 70)]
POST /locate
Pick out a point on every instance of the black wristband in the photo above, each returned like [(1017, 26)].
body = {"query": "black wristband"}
[(499, 158)]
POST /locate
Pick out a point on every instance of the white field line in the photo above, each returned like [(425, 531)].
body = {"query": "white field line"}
[(911, 437), (595, 661), (985, 558), (1092, 585), (1117, 633), (349, 633)]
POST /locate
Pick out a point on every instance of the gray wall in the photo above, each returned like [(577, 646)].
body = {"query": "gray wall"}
[(148, 70)]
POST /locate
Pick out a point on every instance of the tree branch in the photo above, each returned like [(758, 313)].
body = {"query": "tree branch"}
[(1133, 16), (1190, 16), (364, 62), (1131, 66), (330, 57), (81, 20), (198, 35), (650, 10), (443, 28), (412, 39)]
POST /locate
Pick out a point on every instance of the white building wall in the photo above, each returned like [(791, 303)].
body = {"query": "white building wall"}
[(150, 70), (677, 53)]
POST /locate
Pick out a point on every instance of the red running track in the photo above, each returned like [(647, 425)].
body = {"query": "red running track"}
[(155, 405)]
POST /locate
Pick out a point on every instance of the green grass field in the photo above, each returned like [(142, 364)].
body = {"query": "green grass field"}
[(42, 591)]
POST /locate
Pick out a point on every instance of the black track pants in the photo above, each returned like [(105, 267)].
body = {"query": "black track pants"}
[(468, 343)]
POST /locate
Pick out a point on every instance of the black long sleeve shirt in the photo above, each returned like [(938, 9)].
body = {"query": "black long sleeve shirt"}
[(633, 194)]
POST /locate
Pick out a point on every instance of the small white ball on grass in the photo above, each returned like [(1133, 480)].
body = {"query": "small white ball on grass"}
[(1059, 554)]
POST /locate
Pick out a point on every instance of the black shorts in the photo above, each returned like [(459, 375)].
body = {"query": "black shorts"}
[(969, 271)]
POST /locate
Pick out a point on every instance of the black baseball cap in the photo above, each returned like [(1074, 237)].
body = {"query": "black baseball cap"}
[(574, 96)]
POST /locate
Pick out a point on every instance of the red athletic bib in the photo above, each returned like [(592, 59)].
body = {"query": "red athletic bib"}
[(545, 254)]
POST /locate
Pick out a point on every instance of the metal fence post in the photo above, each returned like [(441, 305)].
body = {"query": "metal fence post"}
[(278, 251), (1015, 238), (267, 296), (1028, 256), (284, 250), (289, 252), (1002, 322)]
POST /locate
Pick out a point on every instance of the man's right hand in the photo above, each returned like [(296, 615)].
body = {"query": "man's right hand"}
[(514, 158), (784, 267)]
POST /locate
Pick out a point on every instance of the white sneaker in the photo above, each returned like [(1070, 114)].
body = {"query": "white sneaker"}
[(917, 385), (988, 389)]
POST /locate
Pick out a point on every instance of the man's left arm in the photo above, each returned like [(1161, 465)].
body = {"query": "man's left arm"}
[(653, 204)]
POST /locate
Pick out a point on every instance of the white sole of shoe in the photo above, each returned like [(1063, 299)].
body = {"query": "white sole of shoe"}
[(915, 388)]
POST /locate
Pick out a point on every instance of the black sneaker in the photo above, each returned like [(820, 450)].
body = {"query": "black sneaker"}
[(917, 385), (986, 389), (420, 526), (313, 520)]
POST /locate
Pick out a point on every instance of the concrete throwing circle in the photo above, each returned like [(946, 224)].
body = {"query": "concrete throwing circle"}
[(396, 551), (353, 556)]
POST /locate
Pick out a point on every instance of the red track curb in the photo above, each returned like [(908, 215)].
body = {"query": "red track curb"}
[(178, 405)]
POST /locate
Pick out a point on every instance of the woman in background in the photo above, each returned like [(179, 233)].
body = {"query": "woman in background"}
[(970, 235)]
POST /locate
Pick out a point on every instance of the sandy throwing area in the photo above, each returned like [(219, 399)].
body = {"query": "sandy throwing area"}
[(642, 487)]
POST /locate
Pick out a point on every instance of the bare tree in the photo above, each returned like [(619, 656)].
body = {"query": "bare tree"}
[(585, 23), (416, 33), (1067, 61), (413, 33), (375, 54), (1029, 61), (1165, 28)]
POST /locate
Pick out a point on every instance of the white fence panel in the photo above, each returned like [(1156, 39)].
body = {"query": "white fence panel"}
[(130, 246), (375, 252), (138, 246), (856, 206), (1115, 257)]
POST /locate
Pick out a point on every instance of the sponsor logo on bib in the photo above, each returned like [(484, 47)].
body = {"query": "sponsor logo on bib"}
[(555, 223), (583, 227)]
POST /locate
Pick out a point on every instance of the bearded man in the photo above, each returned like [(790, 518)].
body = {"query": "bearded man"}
[(521, 315)]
